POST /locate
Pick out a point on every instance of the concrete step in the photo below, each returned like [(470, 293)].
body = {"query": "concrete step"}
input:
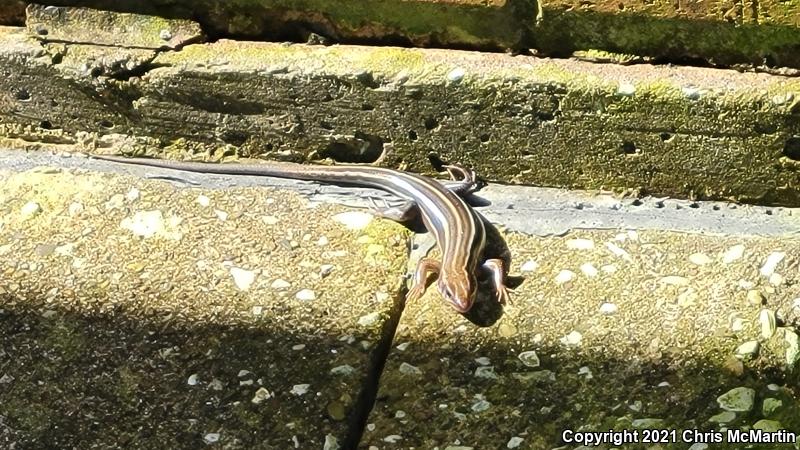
[(176, 309), (666, 131)]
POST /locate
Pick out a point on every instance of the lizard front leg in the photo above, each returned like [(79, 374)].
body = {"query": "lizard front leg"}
[(425, 267), (498, 276)]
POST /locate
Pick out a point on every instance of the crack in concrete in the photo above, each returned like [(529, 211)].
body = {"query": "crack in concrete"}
[(365, 401)]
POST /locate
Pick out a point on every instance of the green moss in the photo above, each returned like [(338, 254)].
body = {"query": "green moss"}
[(563, 32), (446, 23), (66, 340), (128, 385)]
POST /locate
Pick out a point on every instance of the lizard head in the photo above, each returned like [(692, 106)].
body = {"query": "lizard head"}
[(459, 289)]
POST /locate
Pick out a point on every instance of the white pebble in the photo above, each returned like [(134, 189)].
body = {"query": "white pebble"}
[(211, 438), (193, 380), (298, 346), (699, 259), (586, 372), (132, 194), (619, 252), (331, 443), (529, 358), (480, 406), (30, 209), (589, 270), (243, 279), (746, 284), (573, 338), (484, 361), (733, 253), (393, 438), (354, 220), (609, 268), (402, 347), (261, 395), (675, 280), (203, 201), (692, 93), (608, 309), (257, 310), (221, 215), (300, 389), (270, 220), (529, 266), (580, 244), (344, 369), (514, 442), (626, 89), (485, 372), (747, 349), (408, 369), (280, 284), (564, 276), (776, 279), (322, 241), (456, 75), (145, 224), (771, 263), (75, 208), (306, 295), (768, 325), (369, 319), (737, 324)]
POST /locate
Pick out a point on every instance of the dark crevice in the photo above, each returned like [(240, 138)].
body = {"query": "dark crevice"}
[(119, 74), (629, 148), (365, 401), (177, 48), (137, 72), (791, 149), (361, 148)]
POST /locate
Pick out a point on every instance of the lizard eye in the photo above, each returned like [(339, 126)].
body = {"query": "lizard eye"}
[(448, 294)]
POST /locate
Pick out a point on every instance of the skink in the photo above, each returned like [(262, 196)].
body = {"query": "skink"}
[(459, 231)]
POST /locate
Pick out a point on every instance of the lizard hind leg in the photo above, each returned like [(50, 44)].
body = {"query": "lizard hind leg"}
[(464, 181), (403, 212)]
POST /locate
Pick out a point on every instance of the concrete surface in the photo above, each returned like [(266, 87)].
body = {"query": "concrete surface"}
[(628, 328), (525, 209), (134, 314)]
